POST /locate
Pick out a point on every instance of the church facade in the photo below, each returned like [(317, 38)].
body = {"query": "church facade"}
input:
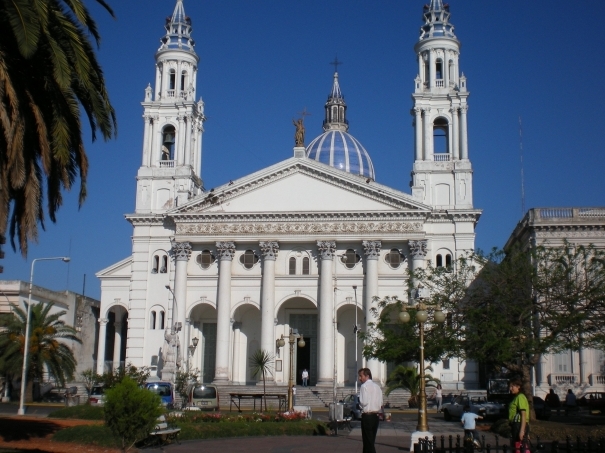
[(216, 275)]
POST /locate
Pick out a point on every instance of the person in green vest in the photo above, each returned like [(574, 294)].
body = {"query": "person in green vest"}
[(518, 412)]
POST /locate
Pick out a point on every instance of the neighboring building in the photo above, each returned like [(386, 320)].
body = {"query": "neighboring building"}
[(552, 227), (242, 264), (81, 313)]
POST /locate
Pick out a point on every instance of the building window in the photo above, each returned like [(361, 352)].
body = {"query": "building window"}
[(292, 266), (205, 259), (183, 80), (172, 81), (168, 135), (439, 69), (164, 267), (350, 259), (162, 318), (305, 265), (439, 261), (446, 364), (152, 320), (249, 259), (440, 137), (155, 265), (394, 258), (448, 261)]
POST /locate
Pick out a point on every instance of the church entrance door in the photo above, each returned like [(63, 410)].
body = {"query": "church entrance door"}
[(306, 357)]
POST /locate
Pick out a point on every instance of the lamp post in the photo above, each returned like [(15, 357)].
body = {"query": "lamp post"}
[(355, 330), (65, 259), (191, 348), (301, 344), (420, 295)]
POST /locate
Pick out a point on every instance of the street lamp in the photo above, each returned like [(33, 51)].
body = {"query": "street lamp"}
[(420, 295), (65, 259), (191, 348), (355, 330), (301, 344)]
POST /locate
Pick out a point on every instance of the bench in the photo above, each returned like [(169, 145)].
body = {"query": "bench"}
[(163, 433)]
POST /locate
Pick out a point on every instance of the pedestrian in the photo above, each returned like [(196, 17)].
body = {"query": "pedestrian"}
[(438, 395), (570, 402), (552, 400), (469, 421), (293, 395), (518, 414), (305, 377), (370, 400)]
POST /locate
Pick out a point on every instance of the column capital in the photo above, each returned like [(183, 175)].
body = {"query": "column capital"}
[(103, 321), (454, 110), (464, 108), (418, 249), (372, 249), (270, 249), (326, 249), (180, 251), (417, 111), (226, 250)]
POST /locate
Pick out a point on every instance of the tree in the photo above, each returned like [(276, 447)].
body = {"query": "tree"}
[(130, 412), (408, 378), (182, 381), (47, 348), (90, 378), (48, 71), (261, 362), (111, 378)]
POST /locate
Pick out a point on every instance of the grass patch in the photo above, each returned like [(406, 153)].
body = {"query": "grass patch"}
[(549, 431), (84, 412), (87, 434)]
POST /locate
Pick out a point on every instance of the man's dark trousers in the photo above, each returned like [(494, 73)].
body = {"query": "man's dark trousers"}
[(369, 429)]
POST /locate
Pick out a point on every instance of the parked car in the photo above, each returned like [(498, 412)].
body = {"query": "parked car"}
[(203, 397), (352, 408), (541, 408), (593, 400), (478, 404), (97, 396), (164, 389)]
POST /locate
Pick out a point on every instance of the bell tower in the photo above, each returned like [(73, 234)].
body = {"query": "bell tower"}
[(442, 175), (170, 172)]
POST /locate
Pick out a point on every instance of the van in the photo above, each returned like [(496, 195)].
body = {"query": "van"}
[(204, 397), (164, 390)]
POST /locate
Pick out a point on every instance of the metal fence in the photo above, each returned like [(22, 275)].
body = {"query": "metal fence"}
[(457, 444)]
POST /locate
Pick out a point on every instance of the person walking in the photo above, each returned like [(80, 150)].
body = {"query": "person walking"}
[(469, 421), (438, 395), (370, 400), (518, 414), (570, 402), (305, 377), (552, 401)]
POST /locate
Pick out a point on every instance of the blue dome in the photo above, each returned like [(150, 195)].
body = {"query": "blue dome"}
[(341, 150)]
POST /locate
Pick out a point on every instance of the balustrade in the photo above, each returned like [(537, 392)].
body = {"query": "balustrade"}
[(563, 379), (439, 83), (441, 157), (166, 164)]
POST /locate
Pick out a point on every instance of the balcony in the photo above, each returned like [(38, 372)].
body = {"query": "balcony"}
[(563, 379), (439, 83), (441, 157), (166, 164), (597, 379)]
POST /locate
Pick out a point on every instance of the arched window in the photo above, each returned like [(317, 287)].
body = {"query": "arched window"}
[(172, 80), (164, 267), (292, 266), (168, 136), (439, 69), (205, 259), (394, 258), (249, 259), (439, 261), (350, 259), (152, 320), (162, 318), (183, 80), (155, 264), (448, 261), (305, 266), (440, 136)]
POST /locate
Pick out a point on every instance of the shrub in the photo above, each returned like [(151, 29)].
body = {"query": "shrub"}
[(130, 412), (84, 412)]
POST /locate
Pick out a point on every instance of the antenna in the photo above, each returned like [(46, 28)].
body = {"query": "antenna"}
[(522, 173)]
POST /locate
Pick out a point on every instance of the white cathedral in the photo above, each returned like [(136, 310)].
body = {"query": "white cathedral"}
[(238, 266)]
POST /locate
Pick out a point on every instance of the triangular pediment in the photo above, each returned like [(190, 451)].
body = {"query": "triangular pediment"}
[(120, 269), (300, 185)]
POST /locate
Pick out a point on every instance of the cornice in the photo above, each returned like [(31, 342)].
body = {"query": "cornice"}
[(329, 175), (471, 215), (297, 216), (146, 219)]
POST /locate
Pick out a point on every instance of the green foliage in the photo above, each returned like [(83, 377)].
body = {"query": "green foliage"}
[(90, 378), (99, 435), (261, 362), (183, 380), (130, 412), (111, 378), (408, 378), (49, 76), (47, 350), (80, 412)]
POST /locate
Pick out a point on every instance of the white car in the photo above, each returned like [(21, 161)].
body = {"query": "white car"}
[(478, 404)]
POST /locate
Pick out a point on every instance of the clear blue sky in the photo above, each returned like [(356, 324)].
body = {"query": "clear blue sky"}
[(262, 62)]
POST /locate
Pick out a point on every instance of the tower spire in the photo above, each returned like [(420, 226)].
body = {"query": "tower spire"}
[(436, 16), (335, 107), (178, 30)]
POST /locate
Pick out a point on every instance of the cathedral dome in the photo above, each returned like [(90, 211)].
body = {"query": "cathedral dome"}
[(341, 150), (336, 147)]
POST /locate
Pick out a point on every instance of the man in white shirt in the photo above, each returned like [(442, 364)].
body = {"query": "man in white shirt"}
[(370, 400)]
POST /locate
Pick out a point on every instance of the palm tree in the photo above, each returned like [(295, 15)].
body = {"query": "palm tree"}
[(261, 362), (408, 378), (48, 72), (47, 348)]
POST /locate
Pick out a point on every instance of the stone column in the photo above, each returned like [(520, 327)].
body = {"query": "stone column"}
[(418, 249), (325, 338), (180, 140), (187, 151), (180, 252), (463, 133), (445, 70), (117, 344), (431, 68), (102, 342), (455, 133), (226, 251), (428, 134), (235, 377), (421, 67), (372, 253), (418, 115), (146, 145), (270, 250)]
